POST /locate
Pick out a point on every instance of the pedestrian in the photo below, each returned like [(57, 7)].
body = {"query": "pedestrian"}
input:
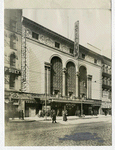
[(105, 112), (91, 113), (53, 116), (77, 113), (65, 115)]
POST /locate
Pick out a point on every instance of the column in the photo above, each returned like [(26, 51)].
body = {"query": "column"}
[(89, 86), (47, 78), (64, 86), (49, 87), (77, 84)]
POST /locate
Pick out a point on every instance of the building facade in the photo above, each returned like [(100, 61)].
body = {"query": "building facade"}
[(52, 72), (42, 70), (12, 56), (106, 86)]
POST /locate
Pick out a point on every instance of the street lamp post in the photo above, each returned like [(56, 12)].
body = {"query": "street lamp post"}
[(46, 107)]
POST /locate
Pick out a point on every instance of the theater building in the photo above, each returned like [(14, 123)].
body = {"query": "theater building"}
[(51, 71), (43, 68)]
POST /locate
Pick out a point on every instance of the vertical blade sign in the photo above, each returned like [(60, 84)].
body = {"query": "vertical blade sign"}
[(76, 42)]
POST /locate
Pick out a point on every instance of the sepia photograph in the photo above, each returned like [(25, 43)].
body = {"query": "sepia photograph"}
[(57, 77)]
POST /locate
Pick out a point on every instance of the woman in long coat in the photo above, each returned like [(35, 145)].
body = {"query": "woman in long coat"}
[(53, 115)]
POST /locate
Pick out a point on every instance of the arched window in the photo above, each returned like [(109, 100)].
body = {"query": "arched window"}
[(70, 79), (56, 76), (12, 60), (83, 81)]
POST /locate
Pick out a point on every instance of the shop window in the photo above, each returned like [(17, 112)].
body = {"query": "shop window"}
[(57, 45), (12, 60), (71, 51), (12, 80), (35, 35), (83, 56)]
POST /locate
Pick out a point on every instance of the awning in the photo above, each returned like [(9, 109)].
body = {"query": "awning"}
[(70, 101), (96, 105), (75, 101), (30, 101)]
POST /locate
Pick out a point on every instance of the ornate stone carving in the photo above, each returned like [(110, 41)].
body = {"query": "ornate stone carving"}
[(42, 39), (49, 42), (64, 70), (28, 33), (64, 48), (89, 76), (78, 73)]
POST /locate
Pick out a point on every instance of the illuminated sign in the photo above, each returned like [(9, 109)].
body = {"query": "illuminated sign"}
[(76, 42)]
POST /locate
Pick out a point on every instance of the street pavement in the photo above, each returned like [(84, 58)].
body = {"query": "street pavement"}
[(35, 131)]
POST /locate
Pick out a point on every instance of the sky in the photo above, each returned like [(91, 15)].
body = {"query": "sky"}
[(94, 25)]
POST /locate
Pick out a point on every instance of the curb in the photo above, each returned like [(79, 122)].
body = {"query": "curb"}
[(33, 119)]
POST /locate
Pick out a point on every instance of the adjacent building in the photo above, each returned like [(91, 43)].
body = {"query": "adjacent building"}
[(12, 56), (106, 85)]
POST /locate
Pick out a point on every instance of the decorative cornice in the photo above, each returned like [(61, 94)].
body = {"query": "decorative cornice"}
[(89, 76), (47, 64), (64, 70)]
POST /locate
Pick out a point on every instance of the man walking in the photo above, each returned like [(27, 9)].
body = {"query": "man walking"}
[(53, 115)]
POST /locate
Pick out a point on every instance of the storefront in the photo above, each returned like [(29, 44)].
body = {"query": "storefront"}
[(106, 108), (86, 107)]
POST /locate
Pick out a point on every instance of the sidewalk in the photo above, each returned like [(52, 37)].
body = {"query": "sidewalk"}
[(71, 119)]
